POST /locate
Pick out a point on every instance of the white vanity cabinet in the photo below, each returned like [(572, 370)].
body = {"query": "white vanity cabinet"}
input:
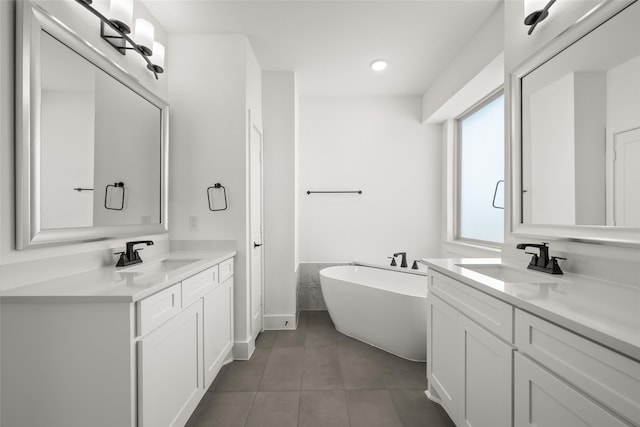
[(486, 355), (76, 355), (179, 360), (469, 368), (564, 379)]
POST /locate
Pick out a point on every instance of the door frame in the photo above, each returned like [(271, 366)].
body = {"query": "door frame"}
[(250, 127), (610, 171)]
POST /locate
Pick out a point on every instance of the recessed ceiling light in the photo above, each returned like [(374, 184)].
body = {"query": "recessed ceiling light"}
[(378, 65)]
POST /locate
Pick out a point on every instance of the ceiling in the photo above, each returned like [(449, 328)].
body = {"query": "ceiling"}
[(330, 44)]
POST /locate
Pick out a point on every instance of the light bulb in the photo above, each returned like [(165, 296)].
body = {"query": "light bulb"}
[(144, 36), (121, 13), (157, 59)]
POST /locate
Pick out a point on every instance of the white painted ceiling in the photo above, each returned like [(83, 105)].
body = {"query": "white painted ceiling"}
[(330, 44)]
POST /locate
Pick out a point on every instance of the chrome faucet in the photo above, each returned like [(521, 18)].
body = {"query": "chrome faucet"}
[(403, 263), (542, 261), (131, 256)]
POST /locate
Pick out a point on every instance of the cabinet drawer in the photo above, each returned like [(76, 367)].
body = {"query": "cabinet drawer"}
[(491, 313), (543, 400), (196, 286), (226, 269), (605, 375), (158, 308)]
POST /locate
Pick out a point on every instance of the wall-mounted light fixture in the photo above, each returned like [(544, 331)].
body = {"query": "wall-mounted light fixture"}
[(537, 16), (115, 31)]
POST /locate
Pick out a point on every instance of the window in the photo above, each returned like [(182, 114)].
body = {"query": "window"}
[(480, 207)]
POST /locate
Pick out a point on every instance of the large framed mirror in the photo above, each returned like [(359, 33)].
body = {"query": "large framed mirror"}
[(576, 132), (91, 141)]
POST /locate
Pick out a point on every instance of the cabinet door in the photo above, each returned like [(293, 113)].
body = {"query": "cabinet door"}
[(170, 382), (442, 350), (485, 377), (543, 400), (218, 329)]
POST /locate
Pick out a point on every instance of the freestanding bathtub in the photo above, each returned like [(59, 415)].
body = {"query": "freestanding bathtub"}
[(384, 308)]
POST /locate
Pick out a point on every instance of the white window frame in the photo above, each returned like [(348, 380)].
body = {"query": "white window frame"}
[(455, 127)]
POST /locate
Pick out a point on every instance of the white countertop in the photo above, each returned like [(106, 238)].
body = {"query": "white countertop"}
[(607, 313), (111, 284)]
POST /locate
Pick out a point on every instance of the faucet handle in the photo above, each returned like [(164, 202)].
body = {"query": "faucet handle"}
[(534, 258), (393, 261), (122, 261), (555, 268)]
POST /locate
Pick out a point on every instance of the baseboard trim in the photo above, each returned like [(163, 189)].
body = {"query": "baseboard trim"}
[(242, 350), (280, 322)]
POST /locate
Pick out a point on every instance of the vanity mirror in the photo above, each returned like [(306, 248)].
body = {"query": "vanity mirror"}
[(90, 140), (576, 132)]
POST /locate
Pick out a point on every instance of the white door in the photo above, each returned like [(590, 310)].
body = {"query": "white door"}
[(255, 148), (218, 329), (442, 349), (485, 377), (626, 178), (170, 382)]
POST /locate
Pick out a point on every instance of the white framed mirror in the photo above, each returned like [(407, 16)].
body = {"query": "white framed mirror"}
[(91, 141), (575, 134)]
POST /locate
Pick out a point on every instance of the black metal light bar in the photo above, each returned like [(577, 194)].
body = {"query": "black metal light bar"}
[(122, 47), (534, 18)]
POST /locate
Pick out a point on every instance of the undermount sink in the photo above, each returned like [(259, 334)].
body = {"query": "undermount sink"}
[(162, 266), (509, 274)]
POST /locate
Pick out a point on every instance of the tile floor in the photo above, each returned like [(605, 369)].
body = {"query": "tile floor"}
[(316, 376)]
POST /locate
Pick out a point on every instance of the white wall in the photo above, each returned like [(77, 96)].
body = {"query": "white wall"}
[(552, 146), (377, 145), (279, 100), (22, 267), (618, 264), (623, 100), (214, 81), (485, 46), (564, 139), (590, 100)]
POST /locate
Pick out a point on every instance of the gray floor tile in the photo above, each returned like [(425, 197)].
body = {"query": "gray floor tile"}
[(274, 409), (371, 408), (381, 389), (193, 419), (323, 409), (415, 410), (284, 369), (266, 339), (226, 409), (360, 370), (290, 338), (318, 318), (243, 375), (321, 369), (320, 330), (404, 374)]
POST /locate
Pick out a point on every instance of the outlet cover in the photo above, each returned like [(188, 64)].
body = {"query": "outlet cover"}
[(193, 223)]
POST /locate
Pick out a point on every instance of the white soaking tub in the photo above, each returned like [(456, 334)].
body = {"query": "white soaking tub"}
[(384, 308)]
